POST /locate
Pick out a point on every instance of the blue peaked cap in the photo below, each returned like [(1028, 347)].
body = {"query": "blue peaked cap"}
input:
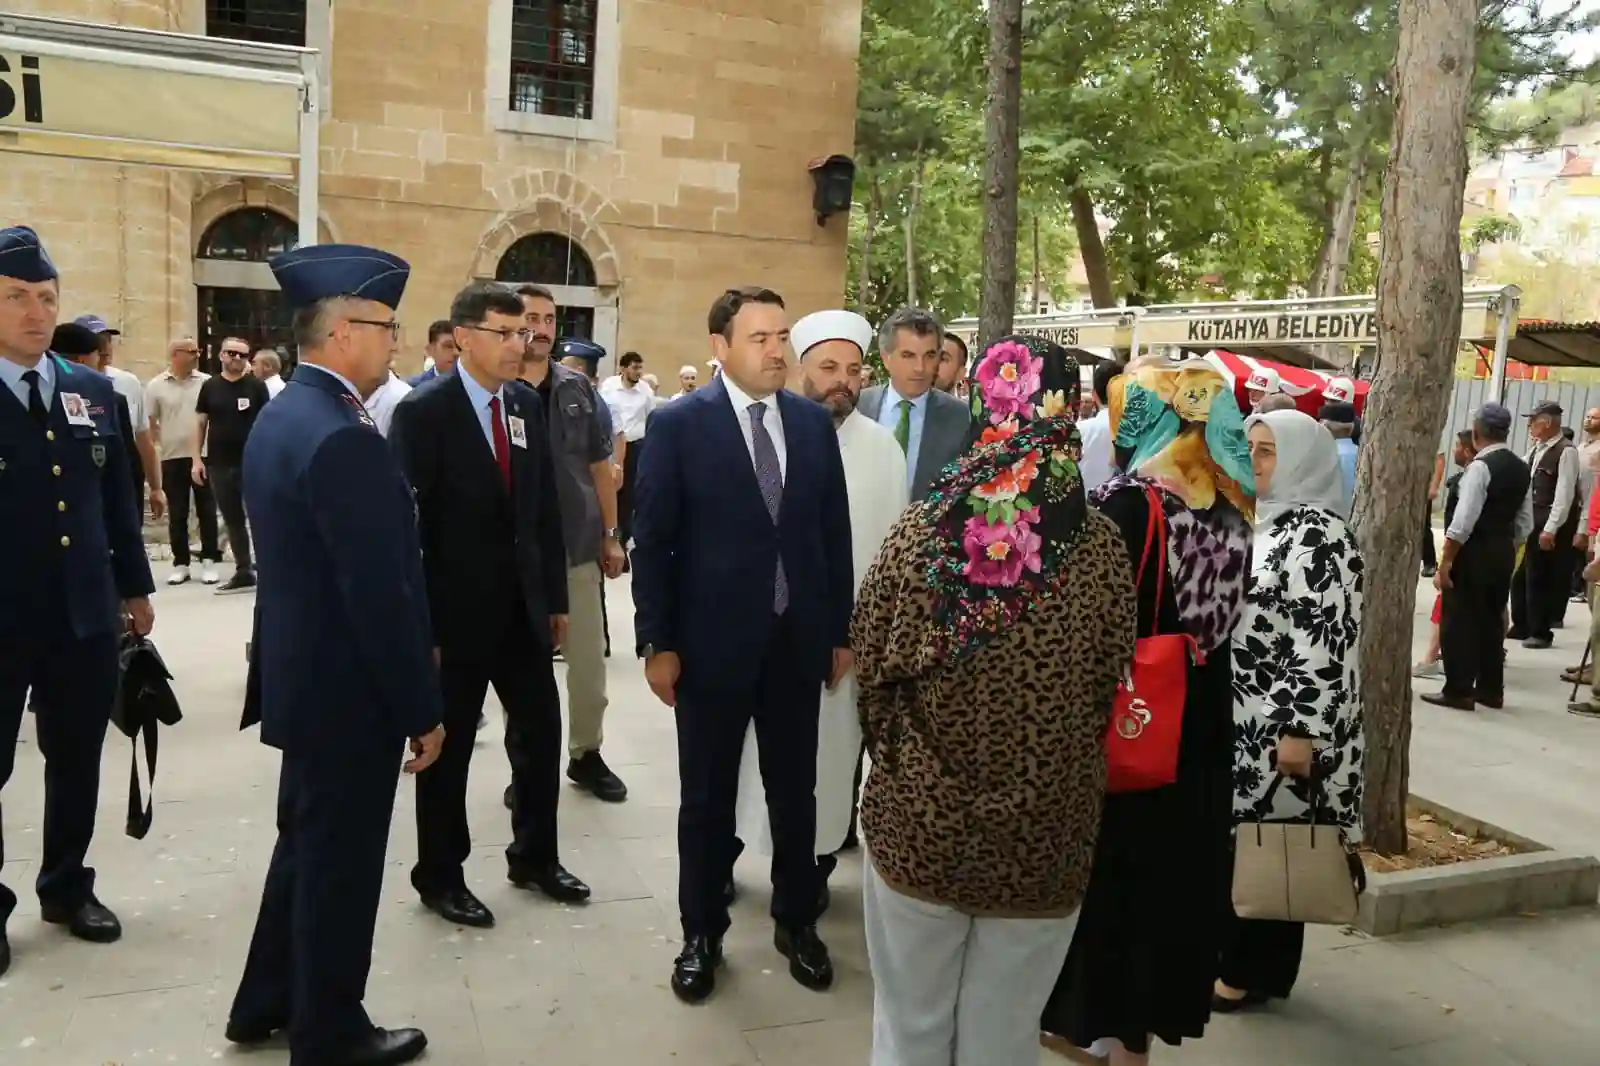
[(23, 257), (322, 271), (588, 351)]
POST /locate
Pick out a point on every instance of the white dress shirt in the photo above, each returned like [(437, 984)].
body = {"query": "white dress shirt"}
[(630, 405), (772, 419), (1566, 482), (1099, 459), (380, 405), (274, 385), (1472, 492)]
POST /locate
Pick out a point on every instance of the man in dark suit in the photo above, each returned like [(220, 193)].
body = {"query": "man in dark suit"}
[(931, 425), (73, 573), (474, 447), (342, 665), (742, 591)]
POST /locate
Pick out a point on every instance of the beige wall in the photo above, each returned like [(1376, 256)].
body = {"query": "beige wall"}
[(720, 106)]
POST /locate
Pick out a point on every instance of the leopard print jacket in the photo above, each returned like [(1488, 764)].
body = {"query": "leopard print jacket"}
[(988, 772)]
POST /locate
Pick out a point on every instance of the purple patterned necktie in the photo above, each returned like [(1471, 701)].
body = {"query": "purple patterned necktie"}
[(769, 475)]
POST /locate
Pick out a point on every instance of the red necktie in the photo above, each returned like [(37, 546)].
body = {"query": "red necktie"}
[(502, 446)]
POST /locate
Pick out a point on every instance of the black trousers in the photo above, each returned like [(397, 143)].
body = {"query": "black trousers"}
[(625, 497), (784, 704), (73, 682), (178, 485), (227, 482), (525, 681), (1539, 588), (312, 947), (1472, 622), (1261, 956), (1430, 551)]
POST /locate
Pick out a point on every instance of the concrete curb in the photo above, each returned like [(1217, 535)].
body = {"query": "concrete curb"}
[(1542, 880)]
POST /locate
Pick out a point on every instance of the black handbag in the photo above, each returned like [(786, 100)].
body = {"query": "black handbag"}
[(144, 702)]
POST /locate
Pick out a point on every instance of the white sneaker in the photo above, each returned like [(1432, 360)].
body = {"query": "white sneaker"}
[(1427, 669), (208, 573), (179, 575)]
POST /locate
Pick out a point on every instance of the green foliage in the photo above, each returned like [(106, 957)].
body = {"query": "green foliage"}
[(1213, 141), (1491, 229)]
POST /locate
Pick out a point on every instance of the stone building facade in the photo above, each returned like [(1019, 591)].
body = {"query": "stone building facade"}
[(639, 155)]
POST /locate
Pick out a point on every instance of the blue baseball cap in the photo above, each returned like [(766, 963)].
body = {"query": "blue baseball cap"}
[(1494, 416), (577, 347), (96, 324)]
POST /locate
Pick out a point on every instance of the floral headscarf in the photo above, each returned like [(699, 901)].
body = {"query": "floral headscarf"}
[(1010, 509), (1177, 423)]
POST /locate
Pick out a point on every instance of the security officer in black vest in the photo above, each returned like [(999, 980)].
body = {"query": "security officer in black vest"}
[(1489, 516), (1542, 583), (73, 575), (342, 667)]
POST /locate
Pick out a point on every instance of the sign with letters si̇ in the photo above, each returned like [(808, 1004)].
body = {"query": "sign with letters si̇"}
[(95, 103)]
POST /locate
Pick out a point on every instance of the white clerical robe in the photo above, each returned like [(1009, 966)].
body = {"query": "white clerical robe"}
[(875, 481)]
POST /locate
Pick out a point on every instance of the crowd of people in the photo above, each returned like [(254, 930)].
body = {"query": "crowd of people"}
[(915, 617)]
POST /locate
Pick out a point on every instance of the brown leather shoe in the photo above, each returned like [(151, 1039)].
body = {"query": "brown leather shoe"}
[(1455, 703)]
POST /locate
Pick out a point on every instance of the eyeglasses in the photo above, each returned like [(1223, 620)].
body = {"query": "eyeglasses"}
[(393, 325), (524, 335)]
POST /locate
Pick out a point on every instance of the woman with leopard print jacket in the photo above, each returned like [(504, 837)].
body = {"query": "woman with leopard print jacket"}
[(989, 636)]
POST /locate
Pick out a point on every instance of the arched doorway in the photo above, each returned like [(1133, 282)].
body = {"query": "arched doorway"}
[(236, 293), (562, 266)]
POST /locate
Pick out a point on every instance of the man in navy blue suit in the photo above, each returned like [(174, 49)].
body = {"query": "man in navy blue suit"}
[(73, 573), (343, 672), (742, 591)]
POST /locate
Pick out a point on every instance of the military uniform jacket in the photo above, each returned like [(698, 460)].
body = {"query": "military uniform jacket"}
[(71, 527), (342, 661)]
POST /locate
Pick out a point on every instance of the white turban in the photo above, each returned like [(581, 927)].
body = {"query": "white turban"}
[(821, 326)]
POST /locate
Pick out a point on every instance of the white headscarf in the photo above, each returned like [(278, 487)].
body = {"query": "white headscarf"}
[(1308, 473)]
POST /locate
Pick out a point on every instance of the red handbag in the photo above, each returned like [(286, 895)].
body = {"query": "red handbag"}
[(1147, 715)]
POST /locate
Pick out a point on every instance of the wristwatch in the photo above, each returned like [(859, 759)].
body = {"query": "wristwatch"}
[(614, 533)]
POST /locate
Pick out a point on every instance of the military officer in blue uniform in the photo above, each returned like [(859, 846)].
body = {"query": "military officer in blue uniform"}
[(73, 574), (342, 661)]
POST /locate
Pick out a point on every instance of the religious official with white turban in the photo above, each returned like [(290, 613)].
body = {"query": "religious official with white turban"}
[(832, 347)]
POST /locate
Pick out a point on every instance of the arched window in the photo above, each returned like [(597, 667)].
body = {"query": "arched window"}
[(546, 259), (231, 306), (249, 235)]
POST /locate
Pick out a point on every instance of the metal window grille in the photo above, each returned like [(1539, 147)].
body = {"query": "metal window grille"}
[(552, 57), (249, 235), (546, 259), (262, 21)]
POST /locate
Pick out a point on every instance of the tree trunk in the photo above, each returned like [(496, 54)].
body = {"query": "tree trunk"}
[(1091, 249), (864, 273), (997, 306), (911, 227), (1038, 267), (1335, 259), (1419, 320)]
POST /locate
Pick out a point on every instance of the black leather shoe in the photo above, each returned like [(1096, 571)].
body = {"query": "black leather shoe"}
[(91, 921), (1225, 1005), (1455, 703), (1537, 643), (808, 958), (461, 907), (590, 772), (554, 881), (509, 795), (246, 1033), (694, 972), (385, 1047), (1494, 703)]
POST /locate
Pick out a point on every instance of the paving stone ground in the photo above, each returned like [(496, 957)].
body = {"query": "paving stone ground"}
[(587, 986)]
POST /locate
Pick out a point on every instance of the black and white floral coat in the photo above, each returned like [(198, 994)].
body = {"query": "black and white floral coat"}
[(1296, 669)]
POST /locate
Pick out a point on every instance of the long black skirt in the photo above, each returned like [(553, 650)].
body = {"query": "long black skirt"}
[(1145, 955)]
